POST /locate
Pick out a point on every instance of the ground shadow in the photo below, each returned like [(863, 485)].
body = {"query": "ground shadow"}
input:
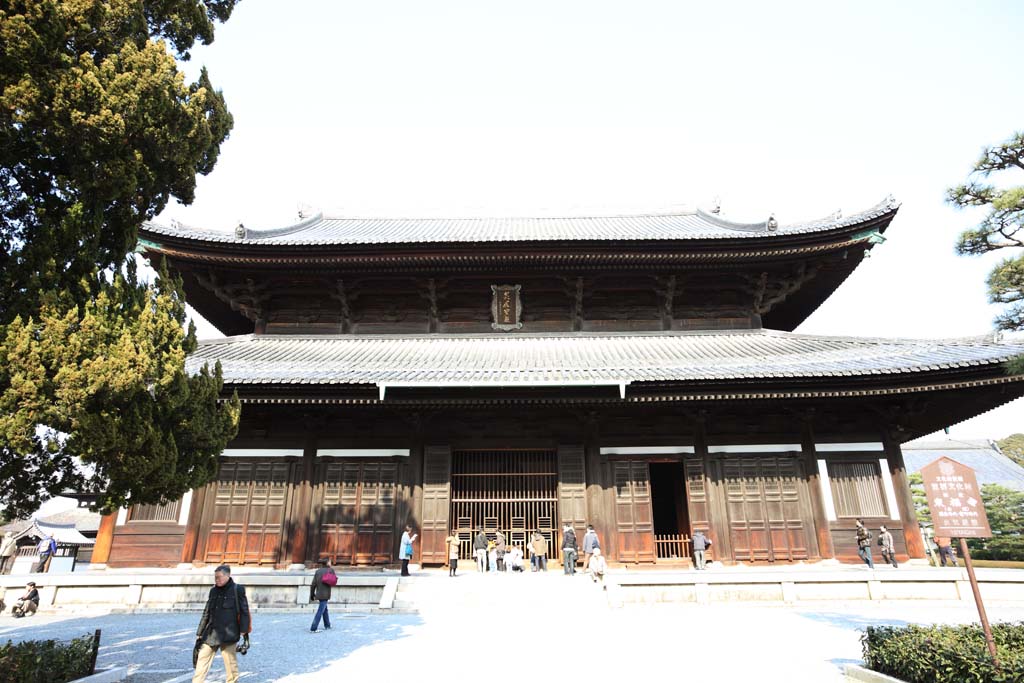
[(281, 642)]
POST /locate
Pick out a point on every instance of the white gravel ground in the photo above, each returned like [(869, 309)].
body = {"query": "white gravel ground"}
[(477, 626)]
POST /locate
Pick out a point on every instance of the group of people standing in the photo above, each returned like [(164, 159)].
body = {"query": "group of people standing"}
[(498, 555)]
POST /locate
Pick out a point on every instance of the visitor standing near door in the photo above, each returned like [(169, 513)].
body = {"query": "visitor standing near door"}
[(590, 544), (405, 554), (700, 545), (480, 551), (538, 552), (569, 550), (452, 542), (500, 547)]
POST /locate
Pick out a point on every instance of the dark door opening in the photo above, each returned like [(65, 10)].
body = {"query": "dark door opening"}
[(668, 503)]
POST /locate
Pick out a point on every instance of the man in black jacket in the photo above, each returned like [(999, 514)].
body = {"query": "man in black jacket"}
[(225, 621)]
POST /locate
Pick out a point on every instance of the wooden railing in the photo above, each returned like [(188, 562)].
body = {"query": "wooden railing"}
[(672, 546)]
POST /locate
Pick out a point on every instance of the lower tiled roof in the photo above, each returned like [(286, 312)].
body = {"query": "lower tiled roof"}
[(567, 359), (982, 456)]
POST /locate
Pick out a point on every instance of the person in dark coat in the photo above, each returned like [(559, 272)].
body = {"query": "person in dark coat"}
[(864, 544), (225, 621), (569, 549), (480, 550), (321, 592)]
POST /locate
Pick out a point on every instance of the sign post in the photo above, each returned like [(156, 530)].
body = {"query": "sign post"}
[(954, 499)]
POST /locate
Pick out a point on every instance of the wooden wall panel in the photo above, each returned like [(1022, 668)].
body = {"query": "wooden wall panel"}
[(146, 544)]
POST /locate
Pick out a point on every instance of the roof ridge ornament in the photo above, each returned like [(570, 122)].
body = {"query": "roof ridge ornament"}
[(772, 224), (891, 203), (240, 231)]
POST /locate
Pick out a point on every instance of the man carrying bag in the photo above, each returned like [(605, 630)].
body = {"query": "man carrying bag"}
[(225, 621)]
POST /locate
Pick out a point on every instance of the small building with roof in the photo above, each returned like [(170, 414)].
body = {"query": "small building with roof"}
[(635, 372)]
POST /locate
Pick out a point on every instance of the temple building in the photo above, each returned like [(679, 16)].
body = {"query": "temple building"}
[(639, 373)]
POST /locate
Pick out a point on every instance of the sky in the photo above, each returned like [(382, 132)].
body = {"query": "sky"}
[(410, 108)]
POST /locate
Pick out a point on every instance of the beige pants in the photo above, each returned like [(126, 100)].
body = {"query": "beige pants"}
[(205, 659)]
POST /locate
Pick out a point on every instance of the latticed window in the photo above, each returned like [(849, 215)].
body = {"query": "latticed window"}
[(857, 489), (155, 513)]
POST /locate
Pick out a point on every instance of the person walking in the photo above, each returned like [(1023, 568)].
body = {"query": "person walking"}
[(864, 544), (225, 621), (569, 549), (700, 545), (405, 554), (500, 547), (590, 543), (888, 549), (320, 590), (945, 545), (480, 550), (8, 550), (28, 603), (538, 552), (47, 548), (452, 542)]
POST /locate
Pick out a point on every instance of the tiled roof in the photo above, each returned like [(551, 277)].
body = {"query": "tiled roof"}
[(566, 359), (984, 457), (327, 230)]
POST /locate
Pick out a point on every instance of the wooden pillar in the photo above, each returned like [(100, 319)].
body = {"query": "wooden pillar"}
[(822, 527), (192, 526), (104, 538), (301, 518), (904, 498), (718, 511), (596, 511)]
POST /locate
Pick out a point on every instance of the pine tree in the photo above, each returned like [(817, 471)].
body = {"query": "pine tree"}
[(1000, 228)]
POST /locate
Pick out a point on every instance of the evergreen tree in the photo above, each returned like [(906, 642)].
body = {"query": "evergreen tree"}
[(1005, 510), (98, 129), (1000, 228)]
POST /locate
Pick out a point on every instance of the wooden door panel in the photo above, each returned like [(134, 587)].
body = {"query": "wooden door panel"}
[(634, 519), (356, 511), (765, 501), (437, 467)]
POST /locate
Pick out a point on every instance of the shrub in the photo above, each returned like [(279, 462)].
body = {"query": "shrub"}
[(46, 661), (945, 654)]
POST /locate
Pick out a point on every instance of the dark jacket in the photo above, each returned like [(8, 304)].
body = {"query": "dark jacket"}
[(480, 542), (31, 596), (863, 537), (318, 590), (223, 622), (569, 540)]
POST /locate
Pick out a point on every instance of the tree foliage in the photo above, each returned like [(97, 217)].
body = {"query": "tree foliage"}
[(1005, 510), (1000, 229), (1013, 448), (98, 130)]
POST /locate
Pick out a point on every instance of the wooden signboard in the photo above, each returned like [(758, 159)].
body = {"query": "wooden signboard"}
[(954, 499), (505, 307), (957, 511)]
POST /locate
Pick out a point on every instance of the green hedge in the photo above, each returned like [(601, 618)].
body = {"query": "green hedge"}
[(46, 661), (945, 654)]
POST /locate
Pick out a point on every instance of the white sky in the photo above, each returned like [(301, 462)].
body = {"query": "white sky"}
[(509, 108)]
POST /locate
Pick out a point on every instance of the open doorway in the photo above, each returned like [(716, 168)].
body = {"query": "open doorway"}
[(668, 505)]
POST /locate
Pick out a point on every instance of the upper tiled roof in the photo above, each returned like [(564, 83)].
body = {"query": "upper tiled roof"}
[(551, 359), (696, 225), (982, 456)]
